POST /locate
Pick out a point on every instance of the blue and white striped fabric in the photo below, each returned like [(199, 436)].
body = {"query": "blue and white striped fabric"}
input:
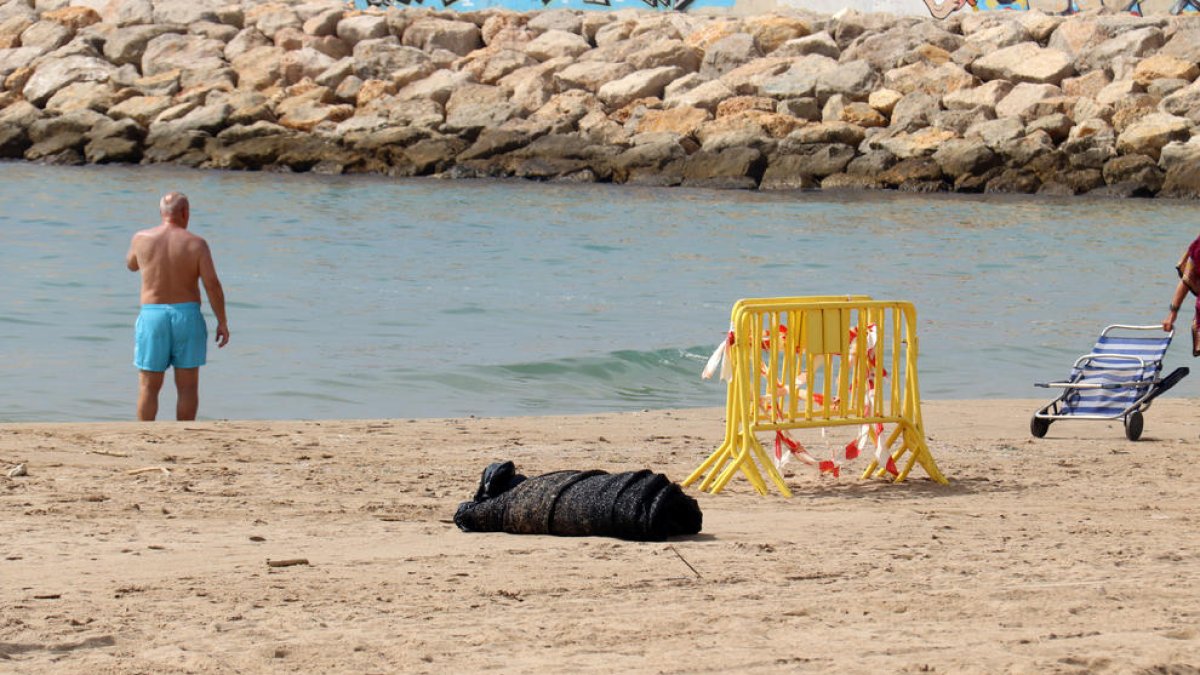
[(1110, 366)]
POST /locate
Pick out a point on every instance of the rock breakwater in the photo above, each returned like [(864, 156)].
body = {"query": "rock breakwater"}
[(981, 102)]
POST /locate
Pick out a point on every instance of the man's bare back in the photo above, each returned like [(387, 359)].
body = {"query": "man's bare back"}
[(170, 259)]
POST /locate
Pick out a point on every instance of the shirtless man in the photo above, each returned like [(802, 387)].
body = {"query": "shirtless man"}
[(170, 330)]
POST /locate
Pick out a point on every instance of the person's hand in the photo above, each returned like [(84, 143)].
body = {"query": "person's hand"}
[(222, 337), (1168, 324)]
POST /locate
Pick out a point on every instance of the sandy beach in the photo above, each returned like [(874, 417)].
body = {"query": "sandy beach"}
[(1074, 553)]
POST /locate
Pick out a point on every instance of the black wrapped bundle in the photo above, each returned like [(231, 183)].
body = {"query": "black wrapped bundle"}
[(635, 505)]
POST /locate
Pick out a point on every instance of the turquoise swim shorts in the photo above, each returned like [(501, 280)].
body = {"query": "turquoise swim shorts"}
[(170, 335)]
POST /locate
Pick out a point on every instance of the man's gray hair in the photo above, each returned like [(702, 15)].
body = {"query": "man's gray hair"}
[(172, 203)]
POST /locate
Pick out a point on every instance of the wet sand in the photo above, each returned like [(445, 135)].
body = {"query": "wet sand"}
[(1074, 553)]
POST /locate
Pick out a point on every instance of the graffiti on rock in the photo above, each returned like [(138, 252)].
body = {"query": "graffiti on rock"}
[(940, 9)]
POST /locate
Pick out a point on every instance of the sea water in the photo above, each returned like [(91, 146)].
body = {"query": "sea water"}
[(365, 297)]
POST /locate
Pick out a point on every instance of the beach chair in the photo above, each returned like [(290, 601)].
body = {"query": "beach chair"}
[(1118, 379)]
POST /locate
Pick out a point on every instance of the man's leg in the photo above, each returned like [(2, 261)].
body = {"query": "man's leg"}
[(149, 384), (187, 384)]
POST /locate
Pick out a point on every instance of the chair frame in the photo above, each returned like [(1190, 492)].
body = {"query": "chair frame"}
[(1131, 415)]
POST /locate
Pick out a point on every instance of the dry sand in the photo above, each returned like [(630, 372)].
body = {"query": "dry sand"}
[(1075, 553)]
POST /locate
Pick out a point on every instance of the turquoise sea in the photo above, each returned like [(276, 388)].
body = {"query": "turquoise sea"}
[(365, 297)]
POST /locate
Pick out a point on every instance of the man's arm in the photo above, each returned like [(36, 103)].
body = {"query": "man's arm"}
[(131, 260), (216, 294)]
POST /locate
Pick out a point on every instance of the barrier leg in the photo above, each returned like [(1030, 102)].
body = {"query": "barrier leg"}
[(714, 463), (772, 472)]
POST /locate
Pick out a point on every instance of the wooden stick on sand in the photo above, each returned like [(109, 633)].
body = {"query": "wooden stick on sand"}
[(148, 469)]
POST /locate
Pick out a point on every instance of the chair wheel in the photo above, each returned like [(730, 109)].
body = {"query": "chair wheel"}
[(1038, 426), (1133, 425)]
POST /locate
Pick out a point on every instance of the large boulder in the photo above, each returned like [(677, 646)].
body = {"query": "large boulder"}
[(681, 120), (750, 77), (184, 12), (728, 53), (1163, 66), (1181, 161), (164, 84), (492, 66), (12, 60), (914, 112), (557, 43), (1184, 102), (75, 17), (1025, 62), (890, 49), (244, 41), (260, 68), (931, 79), (459, 37), (815, 159), (1184, 44), (380, 59), (15, 122), (959, 156), (1149, 134), (140, 109), (1090, 144), (46, 35), (707, 96), (1088, 85), (772, 31), (128, 45), (1133, 44), (1139, 172), (325, 24), (11, 28), (185, 52), (669, 52), (1030, 101), (54, 74), (351, 30), (472, 107), (305, 112), (794, 79), (732, 168), (821, 43), (640, 84), (854, 79), (304, 63), (921, 143), (556, 19), (828, 132), (986, 96), (271, 18), (533, 86), (996, 132), (122, 13), (98, 96), (437, 87), (987, 40), (591, 75)]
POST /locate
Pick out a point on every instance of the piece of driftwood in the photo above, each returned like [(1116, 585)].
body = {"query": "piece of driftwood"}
[(148, 469), (290, 562), (110, 453)]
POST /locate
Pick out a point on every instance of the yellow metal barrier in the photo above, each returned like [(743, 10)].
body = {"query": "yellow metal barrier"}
[(795, 365)]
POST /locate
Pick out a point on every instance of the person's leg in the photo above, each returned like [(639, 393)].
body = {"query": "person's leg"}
[(187, 355), (187, 384), (149, 384)]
